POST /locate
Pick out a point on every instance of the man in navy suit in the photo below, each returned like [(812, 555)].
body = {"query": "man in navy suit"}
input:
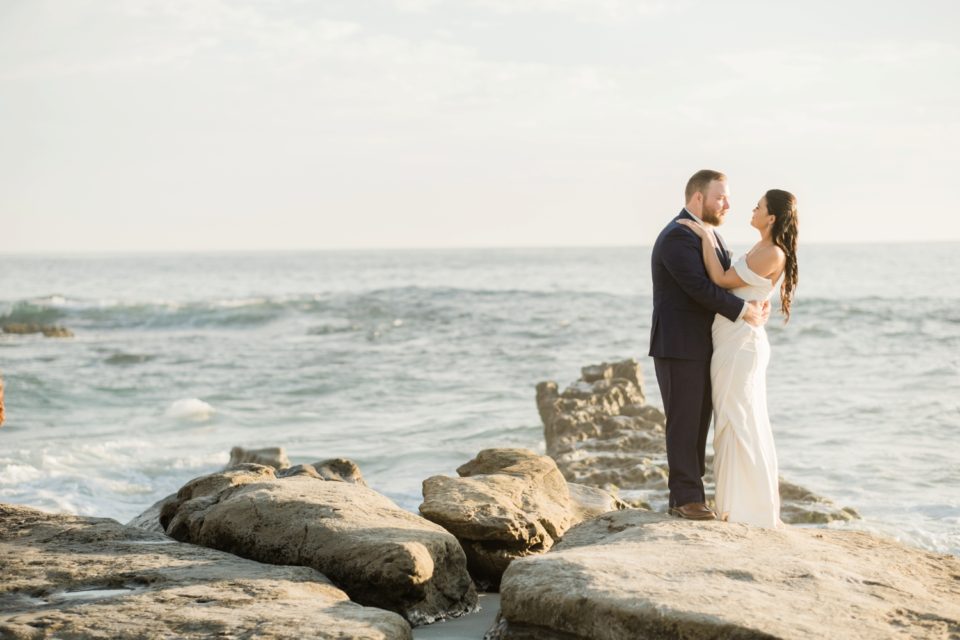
[(685, 301)]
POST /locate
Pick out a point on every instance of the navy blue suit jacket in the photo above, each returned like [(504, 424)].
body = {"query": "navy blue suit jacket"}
[(685, 300)]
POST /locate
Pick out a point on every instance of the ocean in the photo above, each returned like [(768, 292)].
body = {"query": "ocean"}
[(410, 362)]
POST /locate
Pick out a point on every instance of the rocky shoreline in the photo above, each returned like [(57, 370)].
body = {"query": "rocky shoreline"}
[(573, 541)]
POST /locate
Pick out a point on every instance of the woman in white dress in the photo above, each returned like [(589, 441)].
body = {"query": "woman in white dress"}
[(745, 459)]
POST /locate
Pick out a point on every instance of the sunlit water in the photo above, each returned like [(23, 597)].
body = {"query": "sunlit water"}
[(411, 362)]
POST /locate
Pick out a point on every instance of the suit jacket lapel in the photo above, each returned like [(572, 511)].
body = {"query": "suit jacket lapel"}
[(722, 252)]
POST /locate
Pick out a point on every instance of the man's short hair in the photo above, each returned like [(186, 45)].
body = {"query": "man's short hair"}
[(699, 182)]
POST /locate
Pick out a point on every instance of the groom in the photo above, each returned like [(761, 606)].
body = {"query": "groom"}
[(684, 304)]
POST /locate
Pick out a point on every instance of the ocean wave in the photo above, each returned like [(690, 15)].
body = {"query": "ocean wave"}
[(34, 312), (328, 329), (342, 312), (192, 409), (127, 358)]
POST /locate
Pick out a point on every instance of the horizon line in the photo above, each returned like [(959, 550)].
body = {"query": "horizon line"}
[(439, 249)]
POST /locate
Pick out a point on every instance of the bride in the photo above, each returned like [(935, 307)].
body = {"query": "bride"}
[(745, 460)]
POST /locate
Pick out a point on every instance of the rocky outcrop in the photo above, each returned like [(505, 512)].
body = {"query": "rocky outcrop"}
[(49, 331), (378, 553), (601, 433), (73, 577), (507, 504), (639, 574), (274, 457), (335, 470)]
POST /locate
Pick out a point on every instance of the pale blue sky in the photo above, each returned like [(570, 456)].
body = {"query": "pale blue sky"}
[(248, 124)]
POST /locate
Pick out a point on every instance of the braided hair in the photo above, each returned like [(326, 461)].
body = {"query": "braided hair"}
[(783, 206)]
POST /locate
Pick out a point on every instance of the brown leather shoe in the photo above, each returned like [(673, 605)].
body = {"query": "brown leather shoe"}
[(693, 511)]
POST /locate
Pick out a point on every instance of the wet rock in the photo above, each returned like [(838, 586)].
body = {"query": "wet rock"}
[(49, 331), (378, 553), (507, 504), (634, 574), (601, 433), (74, 577)]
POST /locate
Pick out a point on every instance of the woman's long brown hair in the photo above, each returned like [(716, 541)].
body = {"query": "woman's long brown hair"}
[(783, 206)]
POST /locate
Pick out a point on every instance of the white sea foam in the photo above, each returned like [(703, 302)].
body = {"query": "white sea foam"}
[(200, 461), (18, 473), (190, 409), (239, 303)]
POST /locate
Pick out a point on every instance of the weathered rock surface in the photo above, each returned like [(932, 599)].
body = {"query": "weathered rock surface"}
[(149, 520), (601, 433), (507, 504), (274, 457), (335, 469), (378, 553), (638, 574), (49, 331), (73, 577), (590, 502)]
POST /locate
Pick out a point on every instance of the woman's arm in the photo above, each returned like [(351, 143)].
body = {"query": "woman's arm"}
[(727, 279)]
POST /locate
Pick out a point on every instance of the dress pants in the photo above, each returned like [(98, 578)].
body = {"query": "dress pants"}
[(685, 389)]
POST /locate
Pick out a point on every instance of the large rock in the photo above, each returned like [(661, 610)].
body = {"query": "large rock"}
[(507, 504), (601, 433), (639, 574), (73, 577), (378, 553)]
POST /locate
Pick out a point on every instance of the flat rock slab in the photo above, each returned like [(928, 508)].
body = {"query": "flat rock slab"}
[(637, 574), (73, 577), (378, 553)]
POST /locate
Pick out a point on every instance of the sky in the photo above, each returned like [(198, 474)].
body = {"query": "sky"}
[(190, 125)]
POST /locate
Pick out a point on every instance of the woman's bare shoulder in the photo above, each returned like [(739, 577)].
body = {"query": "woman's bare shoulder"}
[(767, 260)]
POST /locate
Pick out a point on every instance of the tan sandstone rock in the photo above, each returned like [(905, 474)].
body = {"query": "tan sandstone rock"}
[(335, 469), (73, 577), (274, 457), (602, 434), (507, 504), (637, 574), (378, 553)]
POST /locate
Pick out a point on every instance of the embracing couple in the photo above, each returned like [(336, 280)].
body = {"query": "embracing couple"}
[(711, 352)]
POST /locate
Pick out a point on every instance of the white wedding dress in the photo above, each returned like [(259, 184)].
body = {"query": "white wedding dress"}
[(745, 459)]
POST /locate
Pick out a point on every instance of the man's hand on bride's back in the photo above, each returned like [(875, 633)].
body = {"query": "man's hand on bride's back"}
[(757, 313)]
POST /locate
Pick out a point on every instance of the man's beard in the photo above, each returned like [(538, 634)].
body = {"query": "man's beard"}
[(711, 215)]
